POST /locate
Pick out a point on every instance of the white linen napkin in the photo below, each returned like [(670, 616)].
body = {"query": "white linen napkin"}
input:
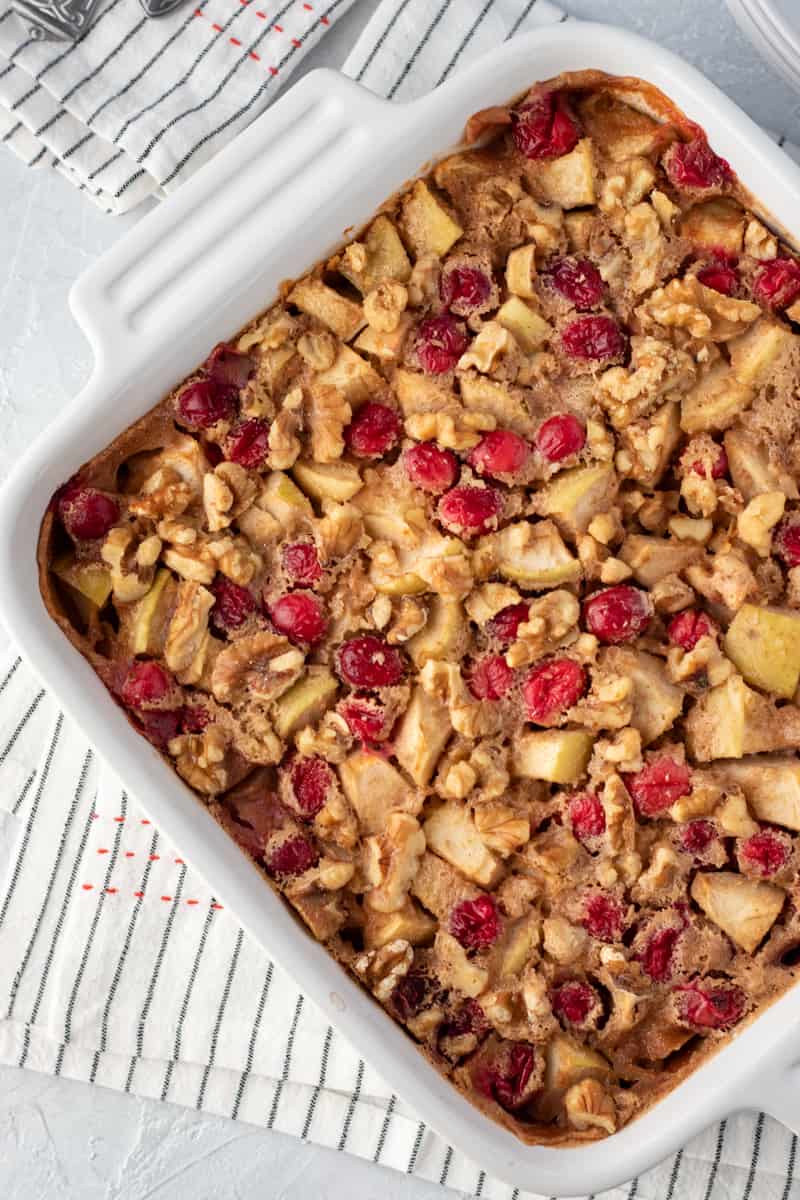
[(119, 967)]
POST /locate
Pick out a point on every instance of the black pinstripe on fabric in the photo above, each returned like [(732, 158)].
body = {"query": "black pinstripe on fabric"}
[(10, 675), (351, 1107), (420, 47), (790, 1168), (673, 1179), (87, 948), (323, 1070), (748, 1187), (712, 1175), (248, 1064), (37, 157), (523, 16), (123, 955), (9, 746), (73, 808), (12, 886), (187, 996), (387, 1120), (380, 40), (412, 1162), (207, 137), (634, 1189), (14, 55), (26, 787), (465, 41), (515, 1194), (479, 1185), (448, 1158), (155, 975), (287, 1062), (7, 136), (226, 991)]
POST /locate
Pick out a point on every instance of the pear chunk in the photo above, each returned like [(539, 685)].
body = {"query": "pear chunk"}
[(716, 400), (755, 353), (715, 223), (408, 923), (751, 470), (450, 832), (732, 720), (528, 327), (148, 617), (745, 909), (428, 226), (91, 580), (651, 558), (422, 736), (327, 481), (556, 755), (533, 555), (657, 703), (343, 317), (771, 785), (282, 499), (351, 375), (764, 645), (568, 180), (574, 497), (375, 789), (305, 701), (442, 634), (384, 257)]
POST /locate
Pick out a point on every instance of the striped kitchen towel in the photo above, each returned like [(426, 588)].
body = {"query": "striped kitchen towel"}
[(135, 105), (119, 966)]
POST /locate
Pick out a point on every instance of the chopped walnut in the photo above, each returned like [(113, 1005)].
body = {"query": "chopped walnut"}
[(607, 705), (327, 419), (187, 632), (502, 828), (551, 619), (759, 243), (757, 521), (643, 234), (331, 739), (383, 969), (704, 659), (589, 1106), (262, 666), (339, 532), (628, 393), (629, 184), (623, 753), (334, 874), (408, 620), (493, 348), (488, 600), (384, 306), (658, 880), (725, 579), (318, 350), (701, 311), (201, 759), (671, 594), (562, 941), (227, 492), (235, 558), (454, 430), (423, 286), (459, 781), (392, 858), (284, 444), (194, 562)]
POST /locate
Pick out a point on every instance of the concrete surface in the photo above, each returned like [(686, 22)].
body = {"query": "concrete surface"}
[(65, 1140)]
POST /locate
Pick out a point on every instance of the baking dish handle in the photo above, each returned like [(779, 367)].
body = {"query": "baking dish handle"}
[(295, 158)]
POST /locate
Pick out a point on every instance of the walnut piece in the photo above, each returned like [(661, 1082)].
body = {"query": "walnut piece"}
[(393, 857), (262, 667), (200, 759), (383, 969), (187, 633), (384, 306)]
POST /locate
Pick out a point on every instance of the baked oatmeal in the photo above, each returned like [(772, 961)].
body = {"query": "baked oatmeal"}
[(463, 587)]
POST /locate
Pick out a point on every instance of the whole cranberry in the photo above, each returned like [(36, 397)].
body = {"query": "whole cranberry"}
[(468, 511), (87, 514), (464, 289), (374, 431), (368, 661), (490, 678), (578, 281), (293, 857), (248, 444), (786, 541), (560, 437), (543, 128), (573, 1001), (367, 719), (299, 617), (603, 917), (659, 785), (440, 343), (146, 685), (694, 165), (586, 815), (430, 468), (696, 837), (204, 403), (475, 923), (498, 453), (618, 614), (160, 725), (656, 956), (552, 688), (311, 780), (710, 1007), (408, 995), (507, 1079), (719, 278), (593, 339), (688, 627), (233, 604), (764, 853), (776, 284), (227, 366), (505, 625), (194, 718), (301, 562)]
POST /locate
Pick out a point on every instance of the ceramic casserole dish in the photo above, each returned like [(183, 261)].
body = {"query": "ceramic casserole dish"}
[(194, 272)]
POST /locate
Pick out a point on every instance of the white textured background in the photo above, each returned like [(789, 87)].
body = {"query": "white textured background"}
[(65, 1141)]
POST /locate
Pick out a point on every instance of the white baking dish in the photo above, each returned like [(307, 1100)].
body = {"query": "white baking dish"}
[(276, 200)]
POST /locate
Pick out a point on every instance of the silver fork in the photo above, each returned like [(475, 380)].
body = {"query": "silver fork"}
[(67, 20)]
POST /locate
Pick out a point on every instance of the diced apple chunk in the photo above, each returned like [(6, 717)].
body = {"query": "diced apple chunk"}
[(764, 645), (751, 469), (450, 832), (384, 345), (756, 352), (569, 1061), (575, 497), (555, 755), (619, 129), (375, 789), (428, 226), (423, 733), (520, 272), (342, 316), (732, 720), (745, 909), (519, 941), (568, 180), (479, 394), (652, 442), (149, 616), (533, 555), (409, 924), (528, 327), (305, 701), (771, 785), (456, 971), (327, 481), (442, 635), (92, 580), (384, 257), (715, 223), (716, 400), (657, 703), (651, 558), (282, 498), (352, 376)]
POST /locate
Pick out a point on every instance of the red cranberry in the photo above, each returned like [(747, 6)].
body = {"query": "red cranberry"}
[(366, 718), (469, 1018), (194, 718), (560, 437), (408, 996), (248, 444), (786, 541), (160, 726), (697, 836), (469, 510), (203, 403), (301, 562), (659, 785), (299, 617), (552, 688), (776, 284), (147, 684), (719, 467), (543, 128), (618, 614), (213, 453), (688, 627), (292, 857), (464, 289), (505, 625), (578, 280), (720, 278), (370, 662), (475, 923), (695, 165), (586, 815), (656, 957), (490, 678), (430, 468), (440, 343), (227, 366), (506, 1080), (312, 779), (233, 604), (711, 1007), (764, 852), (500, 452), (573, 1001), (603, 917), (373, 431), (593, 338), (87, 514)]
